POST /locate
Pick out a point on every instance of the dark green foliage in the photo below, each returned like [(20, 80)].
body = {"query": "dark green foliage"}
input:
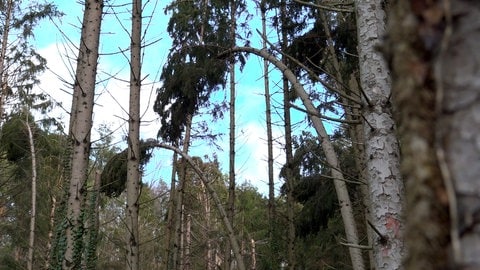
[(14, 137), (114, 175), (314, 188), (187, 86), (194, 70)]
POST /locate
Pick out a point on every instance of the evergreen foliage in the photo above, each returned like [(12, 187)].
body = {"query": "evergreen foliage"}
[(193, 70), (14, 137), (114, 175)]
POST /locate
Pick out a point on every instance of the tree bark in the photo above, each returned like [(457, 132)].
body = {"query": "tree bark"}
[(3, 54), (289, 177), (231, 167), (80, 128), (133, 163), (381, 145), (433, 55), (33, 213)]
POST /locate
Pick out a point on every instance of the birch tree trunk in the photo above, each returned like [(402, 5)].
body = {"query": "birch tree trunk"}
[(381, 145), (33, 213), (133, 163), (433, 52), (80, 128)]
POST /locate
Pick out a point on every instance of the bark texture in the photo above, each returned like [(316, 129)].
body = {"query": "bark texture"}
[(434, 58), (382, 162), (133, 162), (80, 128)]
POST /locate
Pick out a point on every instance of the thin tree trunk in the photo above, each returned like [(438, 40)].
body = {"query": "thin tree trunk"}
[(3, 54), (33, 213), (48, 252), (381, 145), (133, 163), (179, 209), (289, 177), (331, 156), (188, 242), (350, 109), (218, 203), (80, 128), (167, 256), (231, 170), (253, 255), (268, 117)]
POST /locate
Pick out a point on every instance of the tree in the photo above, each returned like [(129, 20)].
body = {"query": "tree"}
[(133, 164), (381, 145), (19, 62), (79, 133), (331, 156), (433, 61)]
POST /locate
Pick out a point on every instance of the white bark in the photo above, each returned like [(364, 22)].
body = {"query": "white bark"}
[(332, 159), (381, 146), (133, 163), (33, 213), (81, 124)]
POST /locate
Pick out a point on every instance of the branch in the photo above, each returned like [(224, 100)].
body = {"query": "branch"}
[(317, 114), (213, 193), (325, 7)]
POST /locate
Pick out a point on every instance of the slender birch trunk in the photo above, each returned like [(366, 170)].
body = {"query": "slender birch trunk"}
[(80, 129), (381, 145), (33, 213), (133, 163), (350, 109)]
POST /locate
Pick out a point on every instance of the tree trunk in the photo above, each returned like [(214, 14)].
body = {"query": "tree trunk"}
[(356, 134), (3, 54), (133, 163), (80, 128), (33, 213), (188, 242), (218, 203), (179, 208), (169, 234), (268, 119), (434, 59), (289, 178), (381, 145), (231, 167), (331, 156)]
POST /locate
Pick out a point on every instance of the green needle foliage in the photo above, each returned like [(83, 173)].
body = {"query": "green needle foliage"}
[(114, 175)]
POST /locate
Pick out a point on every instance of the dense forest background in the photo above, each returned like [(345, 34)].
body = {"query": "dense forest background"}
[(369, 122)]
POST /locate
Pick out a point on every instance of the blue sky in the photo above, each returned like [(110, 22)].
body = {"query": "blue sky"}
[(112, 101)]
